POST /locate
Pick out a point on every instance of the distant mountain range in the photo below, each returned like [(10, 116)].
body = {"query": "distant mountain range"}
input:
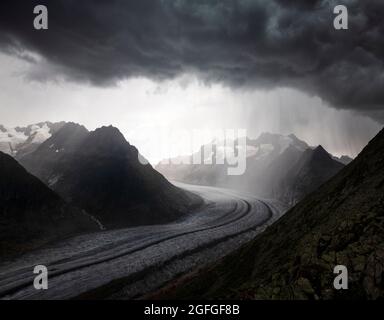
[(343, 159), (19, 141), (277, 166), (342, 223), (100, 172)]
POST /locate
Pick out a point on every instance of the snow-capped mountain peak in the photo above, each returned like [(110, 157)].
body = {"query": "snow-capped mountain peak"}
[(267, 143), (19, 141)]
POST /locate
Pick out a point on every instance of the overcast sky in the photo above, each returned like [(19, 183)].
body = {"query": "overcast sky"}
[(147, 66)]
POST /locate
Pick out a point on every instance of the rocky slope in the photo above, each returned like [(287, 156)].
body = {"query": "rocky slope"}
[(100, 172), (311, 170), (31, 213), (342, 223)]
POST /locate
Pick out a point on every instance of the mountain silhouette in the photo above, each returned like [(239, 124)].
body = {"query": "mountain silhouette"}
[(101, 172), (313, 168)]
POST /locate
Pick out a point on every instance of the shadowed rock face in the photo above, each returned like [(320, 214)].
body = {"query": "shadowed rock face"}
[(313, 168), (341, 223), (31, 213), (100, 172)]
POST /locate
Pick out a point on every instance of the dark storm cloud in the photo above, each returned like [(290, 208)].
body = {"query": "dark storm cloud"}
[(241, 43)]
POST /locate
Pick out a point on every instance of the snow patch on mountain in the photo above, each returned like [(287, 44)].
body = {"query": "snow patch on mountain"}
[(53, 180), (40, 134), (21, 140), (10, 139)]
